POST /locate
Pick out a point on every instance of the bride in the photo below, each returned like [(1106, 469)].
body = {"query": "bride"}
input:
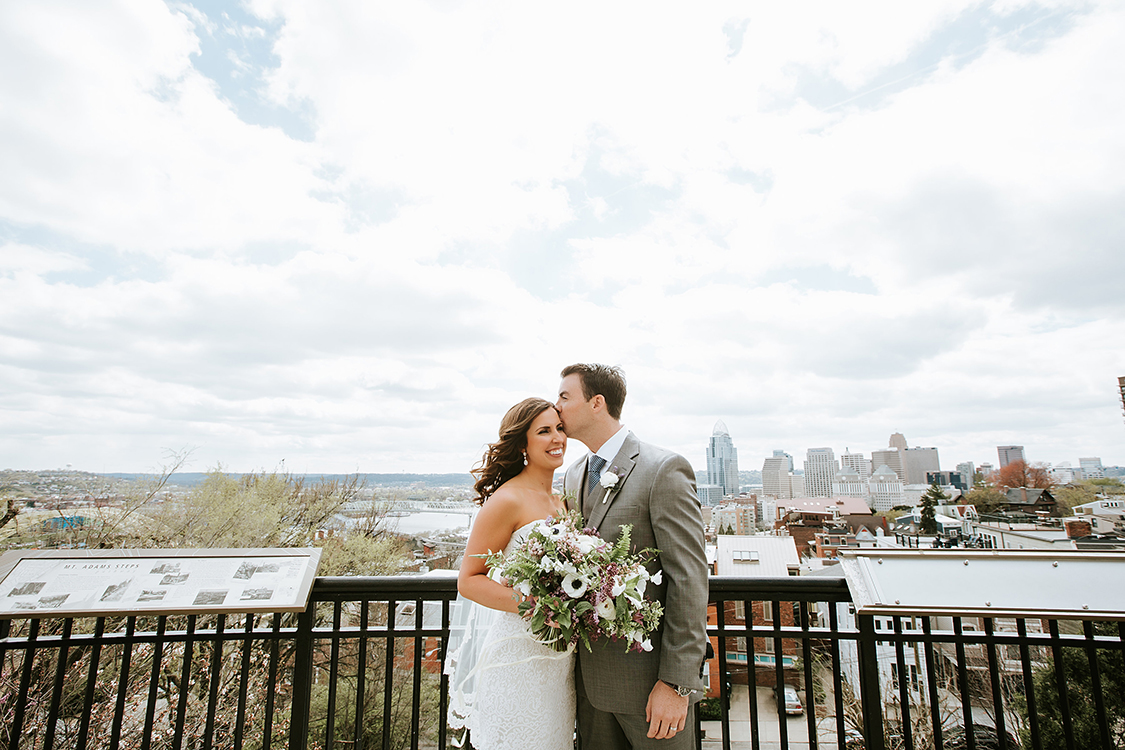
[(506, 688)]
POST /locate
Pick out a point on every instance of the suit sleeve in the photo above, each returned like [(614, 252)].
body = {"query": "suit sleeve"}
[(677, 525)]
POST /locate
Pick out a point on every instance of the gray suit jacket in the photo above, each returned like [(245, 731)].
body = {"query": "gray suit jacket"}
[(656, 494)]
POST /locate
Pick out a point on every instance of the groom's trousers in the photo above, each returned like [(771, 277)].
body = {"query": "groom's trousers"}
[(600, 730)]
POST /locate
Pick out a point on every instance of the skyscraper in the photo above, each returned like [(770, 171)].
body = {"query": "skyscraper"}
[(857, 463), (1009, 453), (722, 460), (775, 475), (820, 470), (898, 440), (891, 458), (917, 462), (967, 471)]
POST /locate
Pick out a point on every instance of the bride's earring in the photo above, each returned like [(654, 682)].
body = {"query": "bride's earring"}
[(525, 458)]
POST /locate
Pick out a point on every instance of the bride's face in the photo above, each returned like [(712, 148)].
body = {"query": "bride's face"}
[(546, 441)]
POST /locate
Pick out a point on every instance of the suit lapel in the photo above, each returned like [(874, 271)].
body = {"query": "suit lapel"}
[(602, 499)]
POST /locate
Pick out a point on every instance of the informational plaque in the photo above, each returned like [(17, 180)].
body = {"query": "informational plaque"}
[(986, 583), (81, 583)]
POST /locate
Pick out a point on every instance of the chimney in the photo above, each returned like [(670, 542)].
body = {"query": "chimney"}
[(1077, 528)]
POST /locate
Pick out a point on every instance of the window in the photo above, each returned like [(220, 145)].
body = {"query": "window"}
[(767, 645), (740, 611), (767, 611), (740, 645), (745, 555)]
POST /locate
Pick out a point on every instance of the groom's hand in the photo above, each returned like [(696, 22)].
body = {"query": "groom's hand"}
[(665, 712)]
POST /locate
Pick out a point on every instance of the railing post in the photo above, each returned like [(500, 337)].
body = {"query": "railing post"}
[(302, 680), (869, 685)]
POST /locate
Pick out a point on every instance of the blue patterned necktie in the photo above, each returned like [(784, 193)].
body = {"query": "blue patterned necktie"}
[(594, 472)]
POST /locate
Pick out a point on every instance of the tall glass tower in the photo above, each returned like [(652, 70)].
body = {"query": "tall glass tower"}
[(722, 460)]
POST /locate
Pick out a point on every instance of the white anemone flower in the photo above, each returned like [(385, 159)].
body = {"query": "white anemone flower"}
[(586, 544), (524, 588), (657, 577), (605, 609), (646, 644), (574, 586)]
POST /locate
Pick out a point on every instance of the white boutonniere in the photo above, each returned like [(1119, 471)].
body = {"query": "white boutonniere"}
[(609, 482)]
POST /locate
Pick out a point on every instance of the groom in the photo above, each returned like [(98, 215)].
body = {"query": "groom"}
[(637, 699)]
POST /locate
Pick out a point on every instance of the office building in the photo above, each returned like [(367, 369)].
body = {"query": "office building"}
[(848, 483), (891, 458), (1010, 453), (967, 471), (777, 477), (1092, 468), (898, 440), (857, 463), (820, 469), (722, 460), (709, 494), (885, 489), (917, 462)]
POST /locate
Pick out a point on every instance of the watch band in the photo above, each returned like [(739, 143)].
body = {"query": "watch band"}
[(681, 690)]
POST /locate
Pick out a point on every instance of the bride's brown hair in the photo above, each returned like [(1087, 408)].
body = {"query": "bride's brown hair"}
[(504, 458)]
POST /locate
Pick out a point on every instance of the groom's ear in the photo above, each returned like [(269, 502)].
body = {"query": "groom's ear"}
[(597, 402)]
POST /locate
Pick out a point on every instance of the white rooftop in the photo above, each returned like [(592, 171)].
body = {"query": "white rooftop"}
[(756, 556)]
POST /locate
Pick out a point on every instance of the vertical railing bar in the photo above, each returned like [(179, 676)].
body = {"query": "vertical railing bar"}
[(963, 686), (215, 676), (299, 715), (333, 675), (872, 704), (25, 682), (931, 680), (388, 674), (243, 680), (1096, 683), (91, 681), (751, 676), (904, 716), (123, 681), (271, 683), (57, 688), (837, 673), (1060, 682), (810, 692), (443, 691), (416, 708), (779, 676), (185, 684), (361, 676), (994, 681), (724, 694), (1029, 685), (154, 682)]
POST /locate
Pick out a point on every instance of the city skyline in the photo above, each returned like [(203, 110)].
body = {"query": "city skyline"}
[(348, 237)]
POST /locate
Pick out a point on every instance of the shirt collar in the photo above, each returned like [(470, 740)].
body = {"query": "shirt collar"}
[(611, 447)]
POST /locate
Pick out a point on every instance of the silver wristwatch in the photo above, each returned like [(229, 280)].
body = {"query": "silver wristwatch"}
[(681, 690)]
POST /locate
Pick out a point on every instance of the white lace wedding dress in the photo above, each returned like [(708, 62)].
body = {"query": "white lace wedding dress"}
[(510, 691)]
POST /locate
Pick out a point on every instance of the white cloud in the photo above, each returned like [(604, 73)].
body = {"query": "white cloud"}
[(491, 193)]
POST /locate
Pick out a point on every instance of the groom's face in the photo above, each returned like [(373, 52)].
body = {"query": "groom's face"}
[(574, 410)]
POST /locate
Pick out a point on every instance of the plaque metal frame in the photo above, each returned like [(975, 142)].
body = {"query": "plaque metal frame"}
[(987, 583), (119, 582)]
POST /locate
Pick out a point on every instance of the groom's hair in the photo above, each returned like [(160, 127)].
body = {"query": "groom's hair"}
[(607, 380)]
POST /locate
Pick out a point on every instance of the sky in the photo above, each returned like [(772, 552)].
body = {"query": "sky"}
[(347, 236)]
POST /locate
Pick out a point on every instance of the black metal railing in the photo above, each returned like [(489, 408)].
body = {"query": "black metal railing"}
[(361, 668)]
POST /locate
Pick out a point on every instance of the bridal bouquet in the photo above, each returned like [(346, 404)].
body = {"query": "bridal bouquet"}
[(582, 587)]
